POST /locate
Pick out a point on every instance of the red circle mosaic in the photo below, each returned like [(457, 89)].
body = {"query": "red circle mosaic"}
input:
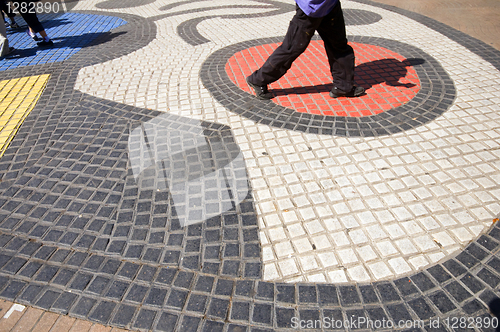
[(388, 78)]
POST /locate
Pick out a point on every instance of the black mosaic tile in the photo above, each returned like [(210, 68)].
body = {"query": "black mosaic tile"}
[(265, 290), (47, 299), (423, 282), (439, 273), (156, 297), (349, 295), (262, 313), (167, 322), (399, 312), (467, 260), (83, 307), (240, 311), (166, 276), (102, 312), (472, 283), (30, 269), (454, 267), (64, 277), (307, 294), (117, 289), (30, 293), (244, 288), (144, 319), (64, 302), (442, 302), (388, 292), (489, 277), (177, 298), (472, 307), (218, 308), (123, 315), (286, 293), (421, 308)]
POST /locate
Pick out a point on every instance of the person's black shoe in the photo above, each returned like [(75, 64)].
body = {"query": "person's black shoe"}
[(44, 43), (11, 49), (261, 92), (356, 91)]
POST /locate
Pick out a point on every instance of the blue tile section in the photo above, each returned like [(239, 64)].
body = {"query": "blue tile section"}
[(69, 31)]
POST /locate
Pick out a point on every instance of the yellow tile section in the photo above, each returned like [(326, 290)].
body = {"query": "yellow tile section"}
[(17, 99)]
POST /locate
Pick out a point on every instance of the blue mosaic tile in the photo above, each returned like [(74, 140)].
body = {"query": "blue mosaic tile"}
[(70, 32)]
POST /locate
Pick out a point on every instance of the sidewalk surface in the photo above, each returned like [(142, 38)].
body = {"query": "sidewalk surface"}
[(143, 187)]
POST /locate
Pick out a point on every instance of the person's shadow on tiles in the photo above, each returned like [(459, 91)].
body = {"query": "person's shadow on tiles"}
[(494, 307), (368, 74), (80, 41)]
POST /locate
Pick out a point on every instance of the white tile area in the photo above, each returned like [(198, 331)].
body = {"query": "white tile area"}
[(334, 209)]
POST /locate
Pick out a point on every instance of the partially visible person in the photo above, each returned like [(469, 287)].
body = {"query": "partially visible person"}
[(4, 42), (6, 10), (34, 24), (325, 17)]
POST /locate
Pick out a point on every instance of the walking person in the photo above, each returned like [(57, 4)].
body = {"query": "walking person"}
[(33, 23), (325, 17)]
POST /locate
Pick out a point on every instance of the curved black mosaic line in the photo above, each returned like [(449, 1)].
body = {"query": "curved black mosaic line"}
[(360, 17), (188, 30), (143, 295), (113, 4), (436, 94)]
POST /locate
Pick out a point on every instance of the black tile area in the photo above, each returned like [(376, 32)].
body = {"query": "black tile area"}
[(262, 313), (144, 319), (349, 295), (123, 315), (421, 308)]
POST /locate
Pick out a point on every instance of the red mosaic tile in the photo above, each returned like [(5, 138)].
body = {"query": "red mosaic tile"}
[(389, 80)]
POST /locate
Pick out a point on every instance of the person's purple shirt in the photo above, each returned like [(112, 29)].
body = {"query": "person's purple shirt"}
[(316, 8)]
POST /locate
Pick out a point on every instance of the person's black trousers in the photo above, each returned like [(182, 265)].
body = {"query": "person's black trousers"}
[(30, 16), (6, 9), (331, 28)]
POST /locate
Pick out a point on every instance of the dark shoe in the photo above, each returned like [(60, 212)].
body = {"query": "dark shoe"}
[(261, 92), (356, 91), (35, 37), (11, 49), (44, 43), (14, 26)]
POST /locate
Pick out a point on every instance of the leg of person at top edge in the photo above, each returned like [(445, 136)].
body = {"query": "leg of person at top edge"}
[(7, 10), (4, 42), (340, 54), (34, 26), (299, 34), (297, 38)]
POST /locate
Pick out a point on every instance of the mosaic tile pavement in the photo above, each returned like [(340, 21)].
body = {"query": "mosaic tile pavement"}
[(17, 99), (148, 189), (69, 31)]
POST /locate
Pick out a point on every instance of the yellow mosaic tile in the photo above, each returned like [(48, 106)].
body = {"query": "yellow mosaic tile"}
[(17, 98)]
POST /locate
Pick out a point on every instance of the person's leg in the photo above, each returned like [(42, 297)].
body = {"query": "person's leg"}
[(340, 54), (4, 42), (298, 36), (36, 27), (7, 10)]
